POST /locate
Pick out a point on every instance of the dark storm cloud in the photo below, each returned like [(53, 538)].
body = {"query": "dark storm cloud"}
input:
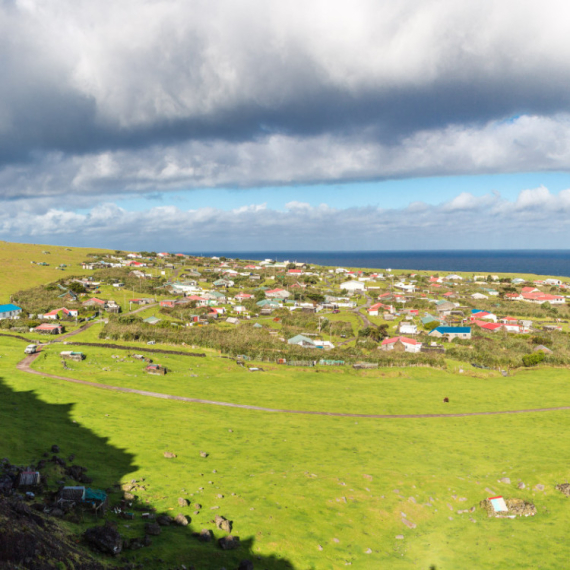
[(184, 94)]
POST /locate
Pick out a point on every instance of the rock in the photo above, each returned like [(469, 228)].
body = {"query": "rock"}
[(408, 523), (229, 542), (181, 520), (400, 536), (521, 485), (205, 535), (219, 496), (105, 538), (245, 565), (539, 487), (203, 454), (152, 528), (182, 502), (336, 540), (133, 544), (169, 455), (564, 488), (231, 430), (320, 547), (368, 551), (197, 506), (71, 457), (55, 448), (129, 497), (368, 477), (223, 524), (164, 520), (505, 480), (412, 500)]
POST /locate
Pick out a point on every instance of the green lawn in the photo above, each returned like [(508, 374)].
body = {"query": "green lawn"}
[(292, 483)]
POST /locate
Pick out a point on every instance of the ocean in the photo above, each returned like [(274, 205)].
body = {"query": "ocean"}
[(539, 262)]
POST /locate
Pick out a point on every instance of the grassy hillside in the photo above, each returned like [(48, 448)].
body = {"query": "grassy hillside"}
[(18, 272), (312, 491)]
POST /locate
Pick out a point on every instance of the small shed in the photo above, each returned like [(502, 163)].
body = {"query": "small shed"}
[(46, 328), (95, 499), (28, 479), (71, 355), (155, 369)]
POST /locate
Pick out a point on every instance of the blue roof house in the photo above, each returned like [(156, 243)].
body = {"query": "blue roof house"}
[(10, 311)]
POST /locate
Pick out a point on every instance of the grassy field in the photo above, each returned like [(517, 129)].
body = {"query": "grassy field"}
[(302, 483), (18, 271)]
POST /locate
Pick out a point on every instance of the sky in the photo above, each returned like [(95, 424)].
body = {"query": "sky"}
[(247, 125)]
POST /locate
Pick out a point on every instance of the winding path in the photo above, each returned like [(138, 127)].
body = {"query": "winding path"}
[(24, 366)]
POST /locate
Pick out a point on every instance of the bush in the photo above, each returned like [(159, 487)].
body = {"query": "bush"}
[(533, 359)]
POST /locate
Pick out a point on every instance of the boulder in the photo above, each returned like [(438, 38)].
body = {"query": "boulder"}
[(564, 488), (104, 538), (182, 502), (181, 520), (55, 448), (205, 535), (164, 520), (223, 524), (505, 480), (539, 487), (521, 485), (197, 506), (229, 542), (169, 455), (152, 529), (203, 454)]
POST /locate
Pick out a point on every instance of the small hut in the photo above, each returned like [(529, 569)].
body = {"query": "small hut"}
[(28, 479), (71, 355), (155, 369)]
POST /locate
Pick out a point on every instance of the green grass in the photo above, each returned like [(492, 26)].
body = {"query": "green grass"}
[(291, 474), (17, 270)]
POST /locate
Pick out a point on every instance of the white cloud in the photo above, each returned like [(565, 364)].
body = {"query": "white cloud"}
[(114, 96), (475, 224)]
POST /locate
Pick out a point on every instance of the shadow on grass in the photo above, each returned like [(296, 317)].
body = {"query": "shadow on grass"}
[(31, 426)]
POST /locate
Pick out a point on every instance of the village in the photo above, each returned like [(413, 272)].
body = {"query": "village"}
[(294, 313)]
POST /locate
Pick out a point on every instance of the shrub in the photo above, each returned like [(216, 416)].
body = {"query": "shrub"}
[(533, 359)]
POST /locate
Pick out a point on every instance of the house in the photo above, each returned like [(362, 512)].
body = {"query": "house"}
[(94, 302), (232, 321), (479, 296), (277, 294), (428, 319), (46, 328), (223, 283), (401, 344), (61, 313), (478, 314), (151, 320), (155, 369), (533, 295), (353, 286), (243, 296), (408, 328), (491, 327), (454, 277), (301, 340), (444, 308), (10, 311), (324, 344), (451, 332)]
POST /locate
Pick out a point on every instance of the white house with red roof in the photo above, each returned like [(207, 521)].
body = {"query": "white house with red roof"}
[(60, 313), (401, 343), (277, 293), (375, 309), (243, 296), (534, 295)]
